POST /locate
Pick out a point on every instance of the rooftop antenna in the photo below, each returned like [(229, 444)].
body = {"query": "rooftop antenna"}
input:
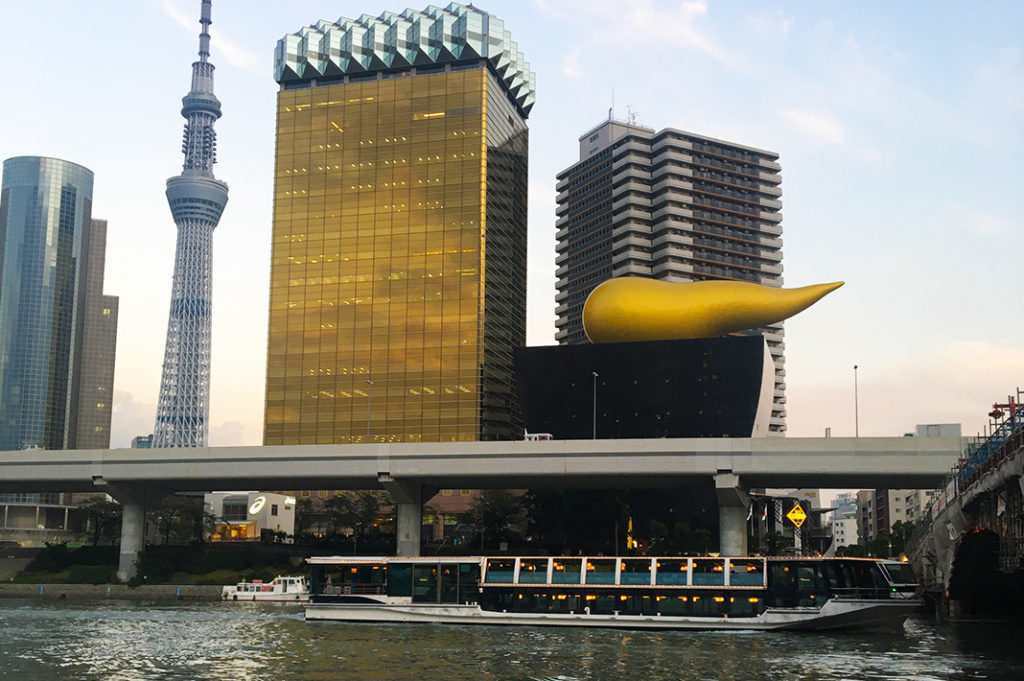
[(630, 115), (611, 109)]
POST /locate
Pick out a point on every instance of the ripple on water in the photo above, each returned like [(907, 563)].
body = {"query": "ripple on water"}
[(40, 641)]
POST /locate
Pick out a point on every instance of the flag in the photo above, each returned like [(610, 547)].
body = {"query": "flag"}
[(764, 512), (750, 512)]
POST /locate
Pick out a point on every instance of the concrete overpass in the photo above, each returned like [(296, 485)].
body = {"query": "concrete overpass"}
[(413, 472)]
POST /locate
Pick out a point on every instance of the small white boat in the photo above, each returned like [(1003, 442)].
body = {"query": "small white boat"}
[(632, 592), (280, 589)]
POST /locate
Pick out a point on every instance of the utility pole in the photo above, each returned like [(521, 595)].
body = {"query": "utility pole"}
[(856, 406)]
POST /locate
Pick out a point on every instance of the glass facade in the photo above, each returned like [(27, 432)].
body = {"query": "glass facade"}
[(45, 220), (398, 276)]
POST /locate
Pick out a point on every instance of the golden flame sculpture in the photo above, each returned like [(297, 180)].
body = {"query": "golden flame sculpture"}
[(640, 309)]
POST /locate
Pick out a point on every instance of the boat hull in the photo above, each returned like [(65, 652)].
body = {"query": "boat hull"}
[(266, 598), (836, 614)]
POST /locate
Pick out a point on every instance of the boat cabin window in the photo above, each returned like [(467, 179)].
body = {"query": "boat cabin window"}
[(346, 579), (399, 579), (434, 582), (600, 571), (533, 570), (424, 584), (635, 571), (812, 584), (566, 570), (672, 571), (702, 603), (500, 570), (746, 572), (869, 579), (708, 571), (900, 573), (793, 583)]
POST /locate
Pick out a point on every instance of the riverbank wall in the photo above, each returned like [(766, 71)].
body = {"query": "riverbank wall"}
[(123, 592)]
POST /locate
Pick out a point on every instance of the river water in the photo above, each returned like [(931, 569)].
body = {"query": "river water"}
[(122, 641)]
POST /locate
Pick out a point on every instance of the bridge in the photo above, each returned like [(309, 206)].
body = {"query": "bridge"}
[(413, 472), (971, 553)]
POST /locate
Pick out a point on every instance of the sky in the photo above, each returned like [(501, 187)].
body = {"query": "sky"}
[(898, 125)]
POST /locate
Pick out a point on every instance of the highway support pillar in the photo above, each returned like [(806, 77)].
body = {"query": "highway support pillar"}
[(733, 504), (408, 498), (133, 523)]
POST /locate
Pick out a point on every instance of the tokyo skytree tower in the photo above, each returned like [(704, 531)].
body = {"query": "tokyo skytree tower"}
[(197, 200)]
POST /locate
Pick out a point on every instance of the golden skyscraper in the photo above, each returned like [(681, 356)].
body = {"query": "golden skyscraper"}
[(398, 278)]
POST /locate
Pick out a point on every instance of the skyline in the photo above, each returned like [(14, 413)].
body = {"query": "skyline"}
[(897, 154)]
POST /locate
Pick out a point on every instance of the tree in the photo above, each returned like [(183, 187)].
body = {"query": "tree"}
[(102, 515), (352, 510), (880, 546), (851, 551), (495, 513), (303, 515), (178, 517), (900, 532)]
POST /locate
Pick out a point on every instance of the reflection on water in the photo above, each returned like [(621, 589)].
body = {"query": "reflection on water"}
[(41, 641)]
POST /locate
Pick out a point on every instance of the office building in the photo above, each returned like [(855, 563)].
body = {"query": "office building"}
[(398, 275), (100, 342), (57, 330), (668, 205), (142, 442), (197, 200)]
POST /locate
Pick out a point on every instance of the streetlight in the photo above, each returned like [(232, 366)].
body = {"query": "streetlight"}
[(369, 384), (594, 434), (856, 411)]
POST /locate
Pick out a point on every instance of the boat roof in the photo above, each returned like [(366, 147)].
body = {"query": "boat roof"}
[(382, 560), (365, 560)]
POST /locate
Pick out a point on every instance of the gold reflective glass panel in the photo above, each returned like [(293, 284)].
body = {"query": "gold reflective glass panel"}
[(379, 288)]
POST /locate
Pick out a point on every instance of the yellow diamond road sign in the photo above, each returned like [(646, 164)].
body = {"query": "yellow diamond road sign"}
[(796, 515)]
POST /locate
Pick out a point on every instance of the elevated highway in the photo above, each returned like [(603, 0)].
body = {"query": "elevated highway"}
[(413, 472), (897, 462)]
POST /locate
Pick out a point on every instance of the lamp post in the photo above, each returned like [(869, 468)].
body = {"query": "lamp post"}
[(369, 385), (856, 406), (594, 433)]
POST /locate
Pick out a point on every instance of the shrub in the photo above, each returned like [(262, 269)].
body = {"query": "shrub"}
[(90, 574)]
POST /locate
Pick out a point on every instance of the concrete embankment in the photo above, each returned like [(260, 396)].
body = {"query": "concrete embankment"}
[(99, 592)]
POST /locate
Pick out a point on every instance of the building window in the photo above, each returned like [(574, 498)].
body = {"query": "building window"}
[(273, 509), (235, 511)]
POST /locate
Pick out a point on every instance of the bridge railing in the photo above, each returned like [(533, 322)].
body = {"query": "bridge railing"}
[(990, 453)]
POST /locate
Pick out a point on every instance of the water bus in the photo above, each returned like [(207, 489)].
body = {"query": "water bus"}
[(637, 593), (283, 589)]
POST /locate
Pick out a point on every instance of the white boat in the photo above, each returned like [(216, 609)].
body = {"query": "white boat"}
[(751, 593), (281, 589)]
